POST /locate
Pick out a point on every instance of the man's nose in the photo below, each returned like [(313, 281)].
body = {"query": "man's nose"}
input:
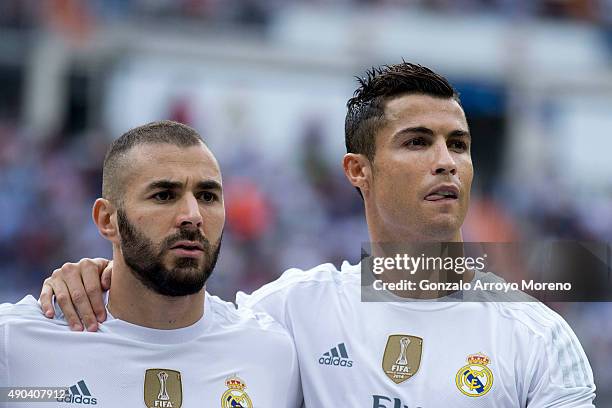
[(443, 160), (189, 212)]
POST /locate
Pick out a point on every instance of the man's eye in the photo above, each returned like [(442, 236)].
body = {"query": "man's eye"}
[(417, 141), (458, 145), (207, 196), (163, 196)]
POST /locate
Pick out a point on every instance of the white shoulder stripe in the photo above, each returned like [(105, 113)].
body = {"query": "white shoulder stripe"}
[(576, 364), (573, 367)]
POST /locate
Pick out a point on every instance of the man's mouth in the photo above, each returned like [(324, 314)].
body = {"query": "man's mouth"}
[(443, 193), (187, 248)]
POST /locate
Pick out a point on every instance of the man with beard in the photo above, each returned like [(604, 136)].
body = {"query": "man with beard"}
[(409, 155), (165, 340)]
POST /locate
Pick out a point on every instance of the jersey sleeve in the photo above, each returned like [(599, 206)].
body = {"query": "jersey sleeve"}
[(295, 397), (27, 308), (5, 309), (4, 369), (5, 306), (558, 374), (3, 357)]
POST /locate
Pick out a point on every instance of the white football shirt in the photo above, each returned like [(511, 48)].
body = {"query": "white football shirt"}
[(423, 353), (227, 359)]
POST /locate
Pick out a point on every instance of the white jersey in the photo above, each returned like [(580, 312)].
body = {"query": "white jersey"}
[(227, 359), (422, 353)]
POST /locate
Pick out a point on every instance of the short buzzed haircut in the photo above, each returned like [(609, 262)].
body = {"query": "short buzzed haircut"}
[(366, 115), (164, 131)]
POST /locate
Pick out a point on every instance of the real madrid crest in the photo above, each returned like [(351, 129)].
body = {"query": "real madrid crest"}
[(402, 357), (163, 388), (235, 396), (475, 379)]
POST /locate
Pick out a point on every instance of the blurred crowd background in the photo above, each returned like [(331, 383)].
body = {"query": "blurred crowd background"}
[(266, 83)]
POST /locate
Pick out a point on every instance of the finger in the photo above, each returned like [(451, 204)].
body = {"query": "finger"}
[(93, 289), (62, 296), (101, 263), (71, 274), (106, 276), (46, 299)]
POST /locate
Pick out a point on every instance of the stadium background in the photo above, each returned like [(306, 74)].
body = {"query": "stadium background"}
[(266, 82)]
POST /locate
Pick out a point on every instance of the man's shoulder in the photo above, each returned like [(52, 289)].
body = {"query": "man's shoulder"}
[(242, 321), (27, 308), (27, 313), (534, 317), (295, 280)]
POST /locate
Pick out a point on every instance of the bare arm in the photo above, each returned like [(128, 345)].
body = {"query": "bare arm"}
[(78, 289)]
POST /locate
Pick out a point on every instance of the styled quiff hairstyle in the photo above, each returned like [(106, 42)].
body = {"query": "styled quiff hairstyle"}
[(115, 163), (366, 113)]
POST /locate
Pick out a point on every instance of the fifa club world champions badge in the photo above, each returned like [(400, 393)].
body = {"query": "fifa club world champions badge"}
[(402, 357), (235, 396), (163, 388), (475, 379)]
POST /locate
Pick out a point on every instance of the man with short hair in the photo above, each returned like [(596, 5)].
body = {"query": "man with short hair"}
[(408, 154), (165, 340)]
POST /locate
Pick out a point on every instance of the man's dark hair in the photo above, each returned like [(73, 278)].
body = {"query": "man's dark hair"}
[(366, 113), (164, 131)]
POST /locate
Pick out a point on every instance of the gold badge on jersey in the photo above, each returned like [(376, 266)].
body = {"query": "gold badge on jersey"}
[(163, 388), (475, 379), (402, 357), (235, 396)]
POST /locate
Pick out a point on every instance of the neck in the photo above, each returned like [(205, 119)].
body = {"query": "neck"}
[(414, 256), (131, 301), (381, 231)]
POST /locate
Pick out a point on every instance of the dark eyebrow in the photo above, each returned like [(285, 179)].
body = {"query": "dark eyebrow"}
[(415, 129), (426, 131), (209, 185), (460, 133), (175, 185), (164, 185)]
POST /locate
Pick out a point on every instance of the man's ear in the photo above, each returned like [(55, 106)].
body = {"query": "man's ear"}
[(358, 171), (104, 216)]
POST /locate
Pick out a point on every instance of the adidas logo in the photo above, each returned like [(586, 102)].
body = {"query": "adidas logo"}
[(79, 394), (336, 356)]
